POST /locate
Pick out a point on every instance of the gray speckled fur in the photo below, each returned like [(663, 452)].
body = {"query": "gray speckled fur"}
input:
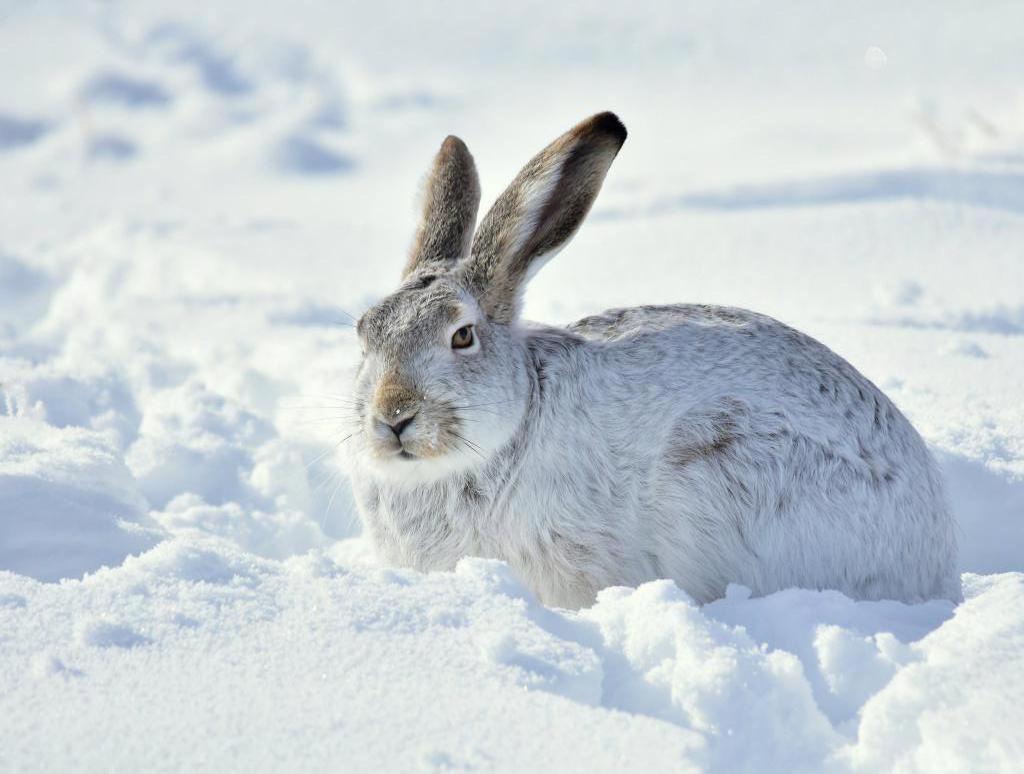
[(704, 444)]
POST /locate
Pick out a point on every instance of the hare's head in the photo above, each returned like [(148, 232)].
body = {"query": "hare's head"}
[(445, 379)]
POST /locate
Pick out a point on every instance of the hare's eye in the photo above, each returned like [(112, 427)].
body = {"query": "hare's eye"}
[(463, 337)]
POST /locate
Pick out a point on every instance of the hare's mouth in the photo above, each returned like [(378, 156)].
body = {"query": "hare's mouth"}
[(420, 443)]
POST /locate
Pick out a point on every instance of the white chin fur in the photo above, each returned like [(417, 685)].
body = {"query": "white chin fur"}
[(414, 470)]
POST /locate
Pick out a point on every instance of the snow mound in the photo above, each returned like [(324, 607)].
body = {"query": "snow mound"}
[(68, 504), (195, 638)]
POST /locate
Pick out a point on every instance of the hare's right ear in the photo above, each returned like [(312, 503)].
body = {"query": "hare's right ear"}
[(540, 211), (451, 199)]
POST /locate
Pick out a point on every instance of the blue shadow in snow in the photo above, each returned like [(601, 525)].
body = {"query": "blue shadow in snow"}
[(18, 132), (111, 147), (979, 188), (308, 157), (118, 89), (218, 70)]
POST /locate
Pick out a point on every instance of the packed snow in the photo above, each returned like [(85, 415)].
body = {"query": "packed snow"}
[(196, 199)]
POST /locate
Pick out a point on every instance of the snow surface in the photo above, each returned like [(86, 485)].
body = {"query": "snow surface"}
[(196, 197)]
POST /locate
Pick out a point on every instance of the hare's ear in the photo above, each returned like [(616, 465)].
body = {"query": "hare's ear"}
[(451, 198), (540, 211)]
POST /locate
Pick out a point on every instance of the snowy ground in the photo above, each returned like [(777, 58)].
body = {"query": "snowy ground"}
[(194, 198)]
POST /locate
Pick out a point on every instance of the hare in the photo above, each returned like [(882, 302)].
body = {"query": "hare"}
[(708, 445)]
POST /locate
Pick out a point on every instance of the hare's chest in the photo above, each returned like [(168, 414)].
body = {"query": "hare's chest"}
[(432, 529), (428, 529)]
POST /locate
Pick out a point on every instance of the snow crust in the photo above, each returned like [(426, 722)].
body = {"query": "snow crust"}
[(195, 201)]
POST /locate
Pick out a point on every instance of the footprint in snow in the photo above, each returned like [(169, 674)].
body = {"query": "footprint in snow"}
[(115, 88), (48, 665), (18, 132), (217, 69), (965, 348), (111, 147), (306, 156)]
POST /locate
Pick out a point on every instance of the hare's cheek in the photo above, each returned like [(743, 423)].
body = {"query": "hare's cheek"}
[(361, 386)]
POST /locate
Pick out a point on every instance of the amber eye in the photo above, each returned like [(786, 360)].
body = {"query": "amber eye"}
[(463, 337)]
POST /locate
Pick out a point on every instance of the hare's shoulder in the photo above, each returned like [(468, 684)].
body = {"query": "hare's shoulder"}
[(619, 324)]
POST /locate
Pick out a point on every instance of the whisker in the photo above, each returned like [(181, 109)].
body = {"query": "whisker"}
[(349, 315), (314, 406), (339, 406), (481, 405), (301, 419), (301, 410), (330, 502), (479, 411), (336, 403), (311, 410), (346, 410), (327, 480), (329, 395), (350, 435), (472, 446), (315, 417), (342, 423), (333, 448)]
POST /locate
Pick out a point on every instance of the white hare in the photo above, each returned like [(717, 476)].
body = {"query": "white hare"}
[(704, 444)]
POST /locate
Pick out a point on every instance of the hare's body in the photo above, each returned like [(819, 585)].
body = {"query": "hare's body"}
[(770, 462), (707, 445)]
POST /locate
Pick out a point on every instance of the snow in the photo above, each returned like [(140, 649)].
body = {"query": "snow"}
[(197, 198), (199, 655)]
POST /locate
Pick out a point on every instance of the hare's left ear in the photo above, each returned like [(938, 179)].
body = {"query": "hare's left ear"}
[(540, 211), (451, 199)]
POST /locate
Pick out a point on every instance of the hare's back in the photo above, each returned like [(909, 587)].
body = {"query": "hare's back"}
[(704, 356), (641, 321)]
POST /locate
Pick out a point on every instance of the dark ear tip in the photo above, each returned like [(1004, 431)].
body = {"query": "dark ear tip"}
[(607, 123), (452, 143)]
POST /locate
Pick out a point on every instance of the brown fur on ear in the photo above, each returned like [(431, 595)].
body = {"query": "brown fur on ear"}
[(451, 199), (541, 210)]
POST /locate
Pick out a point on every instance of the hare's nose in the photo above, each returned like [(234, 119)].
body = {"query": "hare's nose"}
[(400, 425)]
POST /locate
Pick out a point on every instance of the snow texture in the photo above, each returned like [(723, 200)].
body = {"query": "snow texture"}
[(196, 200)]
